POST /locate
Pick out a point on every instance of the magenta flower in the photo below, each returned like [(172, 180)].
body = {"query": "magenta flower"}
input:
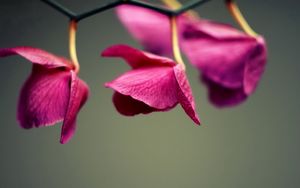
[(52, 93), (154, 84), (231, 62)]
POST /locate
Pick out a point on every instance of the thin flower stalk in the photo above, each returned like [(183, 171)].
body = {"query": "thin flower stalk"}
[(175, 5), (239, 18), (175, 42), (72, 44)]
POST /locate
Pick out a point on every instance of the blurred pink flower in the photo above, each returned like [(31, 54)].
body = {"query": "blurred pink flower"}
[(154, 84), (149, 27), (231, 62), (52, 93)]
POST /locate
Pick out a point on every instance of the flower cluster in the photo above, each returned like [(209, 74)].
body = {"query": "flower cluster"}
[(231, 63)]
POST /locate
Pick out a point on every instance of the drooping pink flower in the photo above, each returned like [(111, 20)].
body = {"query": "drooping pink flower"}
[(52, 93), (155, 83), (231, 62)]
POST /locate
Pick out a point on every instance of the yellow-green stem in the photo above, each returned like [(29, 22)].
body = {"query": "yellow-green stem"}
[(174, 4), (175, 42), (239, 18), (72, 44)]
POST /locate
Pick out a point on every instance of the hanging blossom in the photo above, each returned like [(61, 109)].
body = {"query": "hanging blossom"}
[(231, 62), (53, 92), (155, 83)]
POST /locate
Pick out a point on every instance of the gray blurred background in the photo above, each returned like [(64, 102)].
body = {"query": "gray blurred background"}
[(253, 145)]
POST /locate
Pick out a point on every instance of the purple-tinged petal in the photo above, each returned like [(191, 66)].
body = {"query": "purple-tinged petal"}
[(78, 95), (149, 27), (136, 58), (223, 97), (221, 59), (230, 60), (185, 96), (155, 86), (210, 29), (43, 98), (255, 66), (37, 56), (128, 106)]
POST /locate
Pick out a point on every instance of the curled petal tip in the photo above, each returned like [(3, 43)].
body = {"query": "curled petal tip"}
[(197, 121)]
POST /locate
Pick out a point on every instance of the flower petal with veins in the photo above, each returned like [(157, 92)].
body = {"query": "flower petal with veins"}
[(37, 56), (78, 95), (185, 96), (226, 56), (51, 94), (43, 98), (154, 84), (136, 58)]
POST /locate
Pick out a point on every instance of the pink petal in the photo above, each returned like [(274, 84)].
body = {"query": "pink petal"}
[(255, 66), (149, 27), (44, 97), (212, 29), (221, 58), (231, 60), (224, 97), (128, 106), (185, 96), (155, 86), (37, 56), (136, 58), (78, 95)]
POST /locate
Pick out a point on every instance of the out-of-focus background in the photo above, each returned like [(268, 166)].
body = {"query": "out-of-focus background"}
[(255, 144)]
